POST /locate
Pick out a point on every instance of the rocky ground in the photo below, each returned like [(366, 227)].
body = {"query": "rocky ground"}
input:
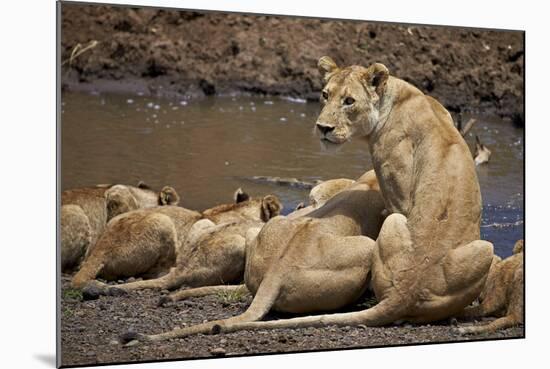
[(89, 330), (165, 52)]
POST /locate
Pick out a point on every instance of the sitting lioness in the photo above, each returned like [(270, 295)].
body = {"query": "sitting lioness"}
[(146, 242), (502, 295), (84, 214), (427, 263)]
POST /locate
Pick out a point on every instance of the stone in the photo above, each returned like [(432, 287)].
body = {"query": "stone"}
[(219, 351)]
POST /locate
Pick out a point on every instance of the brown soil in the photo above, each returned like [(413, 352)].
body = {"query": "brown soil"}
[(90, 329), (166, 52)]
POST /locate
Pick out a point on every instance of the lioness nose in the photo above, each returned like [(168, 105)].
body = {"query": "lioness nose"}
[(324, 129)]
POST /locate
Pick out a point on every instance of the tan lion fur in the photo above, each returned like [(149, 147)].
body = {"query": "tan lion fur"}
[(299, 264), (319, 195), (85, 211), (427, 263), (502, 295), (147, 242)]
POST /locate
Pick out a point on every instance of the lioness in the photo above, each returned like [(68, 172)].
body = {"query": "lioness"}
[(302, 264), (427, 263), (502, 295), (147, 241), (318, 196), (85, 211)]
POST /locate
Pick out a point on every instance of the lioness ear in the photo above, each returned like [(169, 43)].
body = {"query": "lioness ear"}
[(271, 207), (143, 185), (328, 66), (240, 196), (168, 196), (377, 76), (518, 247)]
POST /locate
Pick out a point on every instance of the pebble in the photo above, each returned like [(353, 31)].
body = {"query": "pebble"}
[(131, 343), (219, 351)]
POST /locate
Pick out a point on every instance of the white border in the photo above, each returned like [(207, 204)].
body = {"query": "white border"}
[(28, 181)]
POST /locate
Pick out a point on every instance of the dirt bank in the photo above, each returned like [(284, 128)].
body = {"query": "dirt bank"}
[(89, 330), (164, 52)]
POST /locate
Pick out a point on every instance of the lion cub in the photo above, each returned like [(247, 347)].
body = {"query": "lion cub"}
[(502, 295)]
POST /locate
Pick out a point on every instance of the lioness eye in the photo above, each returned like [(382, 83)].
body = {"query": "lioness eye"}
[(325, 95), (349, 101)]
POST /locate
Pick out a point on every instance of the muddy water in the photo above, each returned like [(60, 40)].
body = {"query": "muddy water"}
[(209, 147)]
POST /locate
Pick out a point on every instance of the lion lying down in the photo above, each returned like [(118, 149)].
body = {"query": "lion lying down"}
[(84, 214), (427, 263), (502, 295), (206, 248), (313, 262), (318, 196)]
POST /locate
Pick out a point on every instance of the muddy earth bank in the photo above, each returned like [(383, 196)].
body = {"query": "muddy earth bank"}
[(184, 53)]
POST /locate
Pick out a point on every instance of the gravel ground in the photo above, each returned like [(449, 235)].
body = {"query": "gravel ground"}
[(89, 330)]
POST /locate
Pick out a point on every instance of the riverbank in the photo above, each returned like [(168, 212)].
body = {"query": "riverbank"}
[(188, 54)]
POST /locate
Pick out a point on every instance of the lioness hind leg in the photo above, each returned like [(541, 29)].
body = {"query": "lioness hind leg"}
[(239, 289), (94, 288), (76, 236), (466, 268)]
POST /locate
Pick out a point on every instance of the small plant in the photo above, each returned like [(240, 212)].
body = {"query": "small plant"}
[(72, 294), (229, 297), (79, 50), (370, 302), (67, 312)]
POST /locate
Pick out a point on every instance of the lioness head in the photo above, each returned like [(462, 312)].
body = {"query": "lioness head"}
[(122, 199), (350, 99), (168, 196), (245, 207)]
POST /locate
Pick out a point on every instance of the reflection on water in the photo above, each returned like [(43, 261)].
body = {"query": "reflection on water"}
[(208, 148)]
